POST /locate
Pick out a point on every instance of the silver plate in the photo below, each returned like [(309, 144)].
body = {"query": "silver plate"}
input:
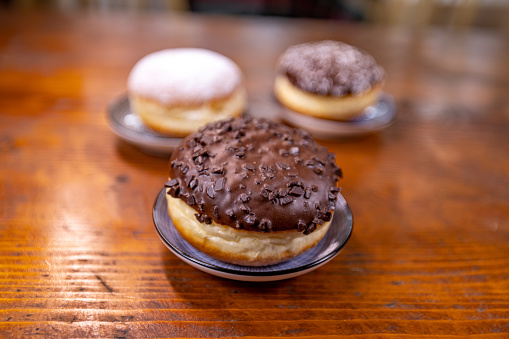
[(373, 119), (129, 127), (332, 243)]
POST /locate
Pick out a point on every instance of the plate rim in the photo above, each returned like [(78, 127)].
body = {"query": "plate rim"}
[(259, 274), (347, 128), (148, 140)]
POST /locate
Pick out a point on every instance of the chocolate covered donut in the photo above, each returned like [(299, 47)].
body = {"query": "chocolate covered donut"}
[(327, 79), (259, 192)]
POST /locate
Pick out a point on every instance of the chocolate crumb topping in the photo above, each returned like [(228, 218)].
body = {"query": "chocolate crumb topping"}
[(172, 183), (244, 198), (215, 212), (188, 179), (330, 68), (264, 176), (218, 170), (191, 201), (250, 219), (210, 192), (219, 185), (282, 165), (249, 166), (286, 200), (297, 191), (203, 218)]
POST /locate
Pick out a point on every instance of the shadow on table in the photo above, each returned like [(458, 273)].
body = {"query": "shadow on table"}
[(334, 277), (140, 159)]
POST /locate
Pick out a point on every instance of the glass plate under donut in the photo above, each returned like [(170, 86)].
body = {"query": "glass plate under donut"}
[(129, 127), (331, 244), (373, 119)]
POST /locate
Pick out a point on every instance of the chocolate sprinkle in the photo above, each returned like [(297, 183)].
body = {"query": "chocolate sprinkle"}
[(219, 185), (191, 201), (249, 166), (210, 192), (286, 200), (283, 192), (265, 225), (282, 163), (311, 228), (297, 191), (269, 187), (250, 219), (265, 193), (172, 183), (203, 218), (188, 179), (338, 172), (301, 226), (218, 170), (295, 183), (215, 212), (245, 209)]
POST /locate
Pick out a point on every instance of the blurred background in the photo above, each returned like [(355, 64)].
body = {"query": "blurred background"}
[(463, 14)]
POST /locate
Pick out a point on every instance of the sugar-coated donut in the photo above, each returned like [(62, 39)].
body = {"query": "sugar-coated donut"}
[(175, 91), (328, 80), (252, 191)]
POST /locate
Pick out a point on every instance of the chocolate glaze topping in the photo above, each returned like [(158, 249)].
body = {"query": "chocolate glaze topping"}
[(256, 175), (330, 68)]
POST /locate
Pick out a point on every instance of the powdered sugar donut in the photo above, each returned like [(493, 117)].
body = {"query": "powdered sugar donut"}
[(175, 91)]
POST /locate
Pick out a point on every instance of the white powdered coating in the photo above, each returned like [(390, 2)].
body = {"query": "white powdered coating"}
[(184, 76)]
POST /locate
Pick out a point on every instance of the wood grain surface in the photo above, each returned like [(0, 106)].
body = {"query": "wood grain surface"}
[(79, 255)]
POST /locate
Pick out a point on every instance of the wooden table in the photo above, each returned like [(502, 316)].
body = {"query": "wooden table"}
[(79, 255)]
